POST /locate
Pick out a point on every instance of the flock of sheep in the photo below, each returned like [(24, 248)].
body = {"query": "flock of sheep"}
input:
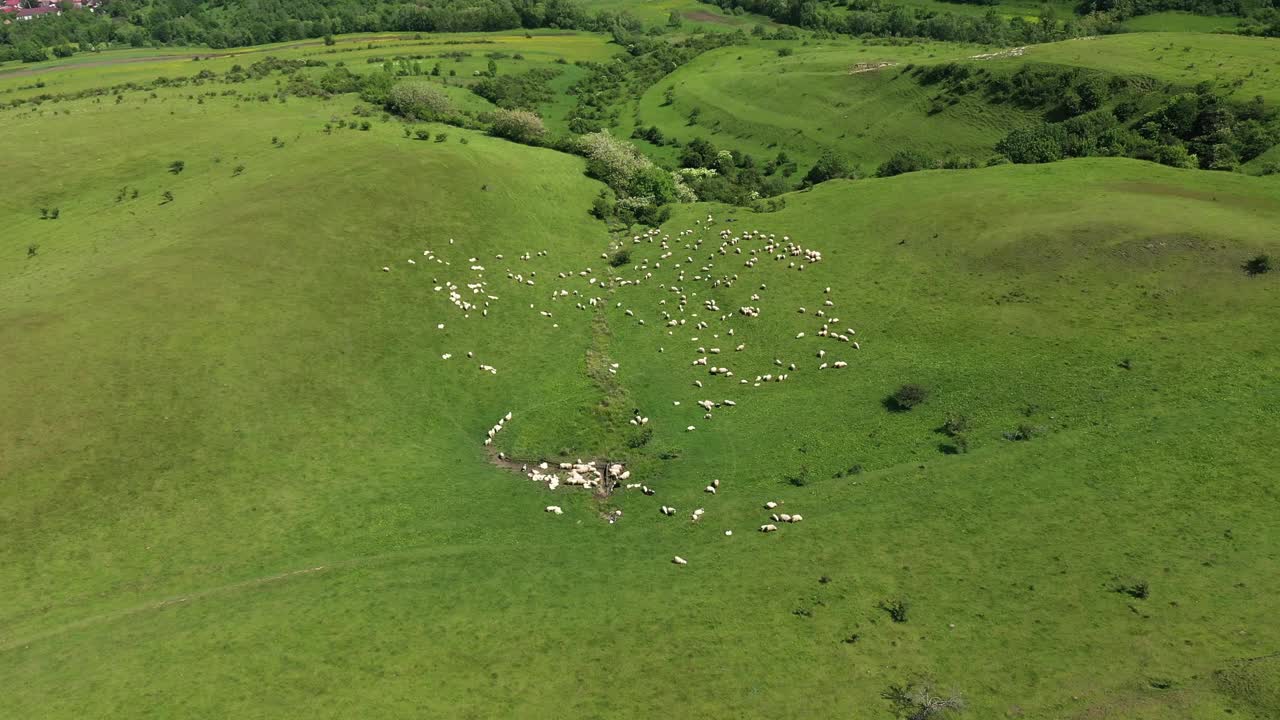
[(706, 326)]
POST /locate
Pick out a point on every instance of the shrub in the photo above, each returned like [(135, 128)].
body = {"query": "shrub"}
[(829, 167), (785, 52), (166, 196), (620, 258), (956, 424), (422, 134), (1258, 265), (63, 51), (420, 100), (921, 702), (54, 213), (907, 397), (237, 170), (1136, 589), (897, 609), (640, 439), (1024, 431), (519, 126), (32, 249), (800, 478), (959, 445), (177, 166), (1032, 145), (442, 137), (904, 161)]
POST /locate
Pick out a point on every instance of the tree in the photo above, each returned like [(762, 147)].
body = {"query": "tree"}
[(674, 20), (419, 99), (328, 39), (829, 167), (520, 126), (1032, 145), (32, 53), (493, 69)]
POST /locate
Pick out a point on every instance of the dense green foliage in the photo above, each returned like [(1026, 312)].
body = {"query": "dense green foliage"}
[(237, 23)]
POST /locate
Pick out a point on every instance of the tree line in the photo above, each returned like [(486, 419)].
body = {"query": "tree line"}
[(234, 23)]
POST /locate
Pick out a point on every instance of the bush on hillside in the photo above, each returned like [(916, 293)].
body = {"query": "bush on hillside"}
[(829, 167), (904, 161), (519, 126), (620, 258), (1258, 265), (419, 100), (907, 396), (922, 702), (897, 609)]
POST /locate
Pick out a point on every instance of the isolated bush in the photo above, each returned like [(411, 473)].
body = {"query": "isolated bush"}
[(177, 166), (33, 249), (620, 258), (799, 478), (921, 702), (640, 439), (907, 396), (422, 134), (897, 609), (63, 51), (1137, 589), (956, 424), (238, 170), (442, 137), (420, 100), (1024, 431), (519, 126), (1258, 265)]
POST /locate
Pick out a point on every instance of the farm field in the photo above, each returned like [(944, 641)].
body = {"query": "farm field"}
[(278, 367)]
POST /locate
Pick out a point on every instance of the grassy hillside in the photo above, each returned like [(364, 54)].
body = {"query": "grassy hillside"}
[(829, 96), (242, 470), (1250, 65)]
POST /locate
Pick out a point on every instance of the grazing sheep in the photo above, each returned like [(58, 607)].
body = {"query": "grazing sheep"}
[(796, 518), (771, 505), (555, 509), (710, 488), (784, 517), (768, 528), (679, 560)]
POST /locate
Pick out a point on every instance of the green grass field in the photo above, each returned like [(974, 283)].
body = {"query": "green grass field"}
[(1181, 22), (240, 478), (1250, 65), (828, 96)]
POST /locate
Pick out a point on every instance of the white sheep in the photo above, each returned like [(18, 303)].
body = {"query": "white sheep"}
[(679, 560)]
